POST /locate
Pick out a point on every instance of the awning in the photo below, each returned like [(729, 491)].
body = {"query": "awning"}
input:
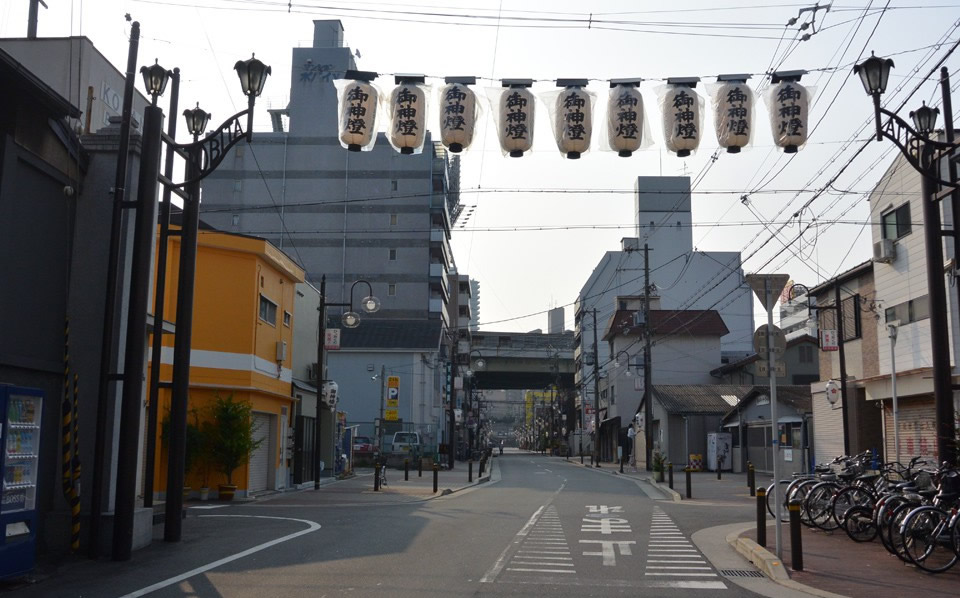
[(790, 419), (734, 424), (612, 421)]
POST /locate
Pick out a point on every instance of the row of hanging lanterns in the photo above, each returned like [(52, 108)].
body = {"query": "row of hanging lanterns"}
[(571, 111)]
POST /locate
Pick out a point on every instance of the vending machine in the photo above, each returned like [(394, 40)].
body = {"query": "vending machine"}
[(20, 411)]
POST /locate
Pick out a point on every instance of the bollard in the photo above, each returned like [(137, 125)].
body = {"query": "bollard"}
[(749, 475), (436, 475), (581, 457), (718, 470), (670, 474), (376, 476), (621, 464), (762, 516), (751, 479), (406, 470), (483, 466), (796, 544), (689, 489), (420, 467), (470, 471)]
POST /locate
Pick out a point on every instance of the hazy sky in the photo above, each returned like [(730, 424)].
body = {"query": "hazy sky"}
[(738, 200)]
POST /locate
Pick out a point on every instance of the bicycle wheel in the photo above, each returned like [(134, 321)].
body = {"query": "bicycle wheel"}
[(800, 493), (817, 505), (771, 506), (927, 539), (884, 519), (849, 497), (859, 525), (897, 540)]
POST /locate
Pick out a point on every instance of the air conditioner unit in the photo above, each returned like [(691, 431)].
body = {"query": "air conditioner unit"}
[(884, 251), (312, 372), (281, 350), (639, 318)]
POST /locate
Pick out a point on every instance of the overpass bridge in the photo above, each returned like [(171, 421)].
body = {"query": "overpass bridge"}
[(521, 360)]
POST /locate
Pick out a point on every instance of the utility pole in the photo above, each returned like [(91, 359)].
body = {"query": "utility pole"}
[(453, 416), (596, 394), (647, 362), (383, 386), (317, 427), (843, 370)]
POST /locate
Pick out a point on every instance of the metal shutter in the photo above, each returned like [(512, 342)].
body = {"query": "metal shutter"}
[(827, 428), (918, 431), (260, 459)]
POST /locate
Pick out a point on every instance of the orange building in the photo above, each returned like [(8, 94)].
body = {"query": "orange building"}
[(241, 345)]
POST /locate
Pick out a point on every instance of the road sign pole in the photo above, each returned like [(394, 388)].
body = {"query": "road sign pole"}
[(770, 302)]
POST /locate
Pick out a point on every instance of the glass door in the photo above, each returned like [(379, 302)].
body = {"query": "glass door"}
[(21, 450)]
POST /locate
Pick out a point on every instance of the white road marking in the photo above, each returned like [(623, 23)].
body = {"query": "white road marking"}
[(685, 574), (679, 567), (608, 550), (516, 562), (690, 562), (311, 527), (689, 585), (200, 507), (541, 570), (670, 554), (552, 558)]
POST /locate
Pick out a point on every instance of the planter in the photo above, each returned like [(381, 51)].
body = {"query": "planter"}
[(225, 492), (659, 475), (204, 493)]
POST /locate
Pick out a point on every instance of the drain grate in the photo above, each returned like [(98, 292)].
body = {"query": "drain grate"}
[(740, 573)]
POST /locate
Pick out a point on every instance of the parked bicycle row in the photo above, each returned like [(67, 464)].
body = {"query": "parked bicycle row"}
[(913, 509)]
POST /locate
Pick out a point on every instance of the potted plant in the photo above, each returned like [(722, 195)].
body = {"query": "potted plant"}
[(229, 436), (658, 464), (193, 446)]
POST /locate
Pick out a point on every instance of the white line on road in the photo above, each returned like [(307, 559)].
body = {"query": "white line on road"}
[(686, 574), (515, 562), (664, 567), (688, 585), (540, 570), (690, 562), (552, 558), (312, 527)]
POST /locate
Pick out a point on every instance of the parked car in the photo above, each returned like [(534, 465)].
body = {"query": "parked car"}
[(407, 444), (363, 445)]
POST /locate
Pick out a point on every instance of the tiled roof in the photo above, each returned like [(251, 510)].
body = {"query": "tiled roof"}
[(797, 397), (699, 399), (695, 322), (372, 333)]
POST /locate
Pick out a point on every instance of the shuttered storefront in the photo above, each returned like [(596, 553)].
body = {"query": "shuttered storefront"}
[(918, 430), (260, 459), (827, 429)]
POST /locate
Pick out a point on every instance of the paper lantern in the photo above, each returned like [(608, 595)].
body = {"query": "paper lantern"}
[(733, 114), (408, 111), (358, 115), (682, 116), (789, 105), (458, 113), (625, 118), (573, 118), (516, 112)]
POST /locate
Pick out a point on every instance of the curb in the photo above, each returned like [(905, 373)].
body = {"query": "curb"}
[(770, 565), (673, 494), (676, 495)]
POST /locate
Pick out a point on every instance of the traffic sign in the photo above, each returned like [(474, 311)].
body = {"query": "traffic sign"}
[(777, 336), (763, 368), (758, 282)]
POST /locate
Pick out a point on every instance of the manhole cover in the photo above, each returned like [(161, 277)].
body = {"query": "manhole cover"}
[(740, 573)]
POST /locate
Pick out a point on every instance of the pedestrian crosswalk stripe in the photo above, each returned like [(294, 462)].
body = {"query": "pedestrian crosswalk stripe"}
[(670, 554), (685, 574)]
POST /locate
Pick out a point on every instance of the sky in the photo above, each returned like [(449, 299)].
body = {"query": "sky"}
[(540, 224)]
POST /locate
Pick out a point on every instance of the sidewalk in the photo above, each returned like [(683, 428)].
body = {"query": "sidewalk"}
[(359, 491), (834, 565)]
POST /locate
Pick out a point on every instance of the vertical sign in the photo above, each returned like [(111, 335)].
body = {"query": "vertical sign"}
[(393, 399), (828, 340), (331, 339)]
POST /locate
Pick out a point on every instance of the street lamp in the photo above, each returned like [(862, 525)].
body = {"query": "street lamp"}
[(155, 80), (197, 119), (350, 319), (626, 361), (925, 156)]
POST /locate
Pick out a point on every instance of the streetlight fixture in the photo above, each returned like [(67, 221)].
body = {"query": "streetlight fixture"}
[(349, 319), (925, 155), (197, 119), (626, 361), (155, 80)]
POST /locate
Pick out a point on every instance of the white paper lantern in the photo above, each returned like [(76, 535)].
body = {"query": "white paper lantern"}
[(682, 119), (733, 115), (625, 119), (573, 120), (458, 115), (515, 124), (408, 110), (789, 105), (358, 115)]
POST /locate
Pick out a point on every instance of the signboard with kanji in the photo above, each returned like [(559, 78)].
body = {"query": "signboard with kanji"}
[(331, 339), (828, 340)]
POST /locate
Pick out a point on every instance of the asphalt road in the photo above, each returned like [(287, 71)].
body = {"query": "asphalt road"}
[(545, 528)]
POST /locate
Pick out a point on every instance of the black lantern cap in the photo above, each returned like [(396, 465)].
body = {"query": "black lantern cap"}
[(738, 78), (367, 76), (572, 82), (925, 119), (628, 81), (253, 75), (197, 119), (406, 78), (874, 72), (516, 82), (155, 78), (786, 76), (690, 82)]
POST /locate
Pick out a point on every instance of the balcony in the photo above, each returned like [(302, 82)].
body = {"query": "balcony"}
[(438, 279)]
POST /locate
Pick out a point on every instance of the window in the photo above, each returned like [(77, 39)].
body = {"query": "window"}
[(238, 185), (806, 354), (268, 311), (851, 318), (236, 219), (286, 319), (393, 255), (613, 395), (393, 185), (896, 223), (393, 219), (913, 310), (391, 290)]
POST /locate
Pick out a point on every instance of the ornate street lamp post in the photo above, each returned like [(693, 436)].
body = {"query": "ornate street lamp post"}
[(350, 319), (926, 155)]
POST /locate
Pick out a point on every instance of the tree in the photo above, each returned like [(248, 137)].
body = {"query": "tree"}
[(230, 434)]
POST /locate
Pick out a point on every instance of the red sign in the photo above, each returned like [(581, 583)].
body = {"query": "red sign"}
[(331, 339), (828, 340)]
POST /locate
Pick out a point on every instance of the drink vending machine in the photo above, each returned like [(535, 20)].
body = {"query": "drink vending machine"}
[(20, 415)]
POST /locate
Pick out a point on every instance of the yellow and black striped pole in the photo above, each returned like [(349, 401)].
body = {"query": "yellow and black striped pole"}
[(75, 465), (70, 475)]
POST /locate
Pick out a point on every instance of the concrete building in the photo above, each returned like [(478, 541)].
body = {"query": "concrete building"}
[(376, 216), (680, 278)]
